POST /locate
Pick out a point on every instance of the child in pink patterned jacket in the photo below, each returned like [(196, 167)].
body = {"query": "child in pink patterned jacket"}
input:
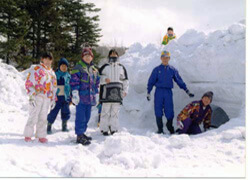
[(41, 87)]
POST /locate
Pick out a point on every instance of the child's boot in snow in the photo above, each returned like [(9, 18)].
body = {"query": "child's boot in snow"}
[(64, 126), (82, 140), (43, 140), (170, 126), (105, 133), (49, 126), (27, 139), (159, 125), (160, 132), (87, 137)]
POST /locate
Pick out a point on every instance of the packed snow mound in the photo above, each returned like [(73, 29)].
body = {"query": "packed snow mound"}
[(213, 62), (12, 89)]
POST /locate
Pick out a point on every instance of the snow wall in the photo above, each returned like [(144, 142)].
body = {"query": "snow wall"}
[(213, 62)]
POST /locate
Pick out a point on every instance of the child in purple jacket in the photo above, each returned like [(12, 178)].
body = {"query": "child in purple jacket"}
[(84, 83)]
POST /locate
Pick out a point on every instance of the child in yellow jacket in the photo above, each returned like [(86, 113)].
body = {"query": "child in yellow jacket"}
[(169, 36)]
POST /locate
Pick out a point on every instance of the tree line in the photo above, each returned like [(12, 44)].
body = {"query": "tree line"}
[(30, 27)]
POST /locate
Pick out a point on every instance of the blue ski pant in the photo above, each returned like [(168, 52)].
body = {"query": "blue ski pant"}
[(83, 113), (62, 105), (163, 102)]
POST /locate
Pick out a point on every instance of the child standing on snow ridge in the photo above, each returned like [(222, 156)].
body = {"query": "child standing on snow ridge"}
[(114, 88), (63, 96), (84, 83), (169, 36), (41, 87)]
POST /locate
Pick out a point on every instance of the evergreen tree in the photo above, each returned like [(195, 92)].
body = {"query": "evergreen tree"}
[(33, 26)]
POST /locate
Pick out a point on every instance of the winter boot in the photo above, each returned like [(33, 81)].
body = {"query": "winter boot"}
[(27, 139), (49, 126), (105, 133), (82, 140), (160, 132), (43, 140), (87, 137), (64, 126), (170, 126), (159, 125)]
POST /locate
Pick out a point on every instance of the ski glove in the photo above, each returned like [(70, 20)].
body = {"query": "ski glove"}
[(75, 98), (52, 105), (32, 102), (180, 125), (189, 94), (148, 97)]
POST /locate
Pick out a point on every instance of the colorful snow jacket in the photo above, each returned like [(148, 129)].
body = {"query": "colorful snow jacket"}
[(167, 38), (163, 76), (41, 80), (195, 111), (85, 78), (63, 80)]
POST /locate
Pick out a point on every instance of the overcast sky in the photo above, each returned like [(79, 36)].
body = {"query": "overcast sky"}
[(124, 22)]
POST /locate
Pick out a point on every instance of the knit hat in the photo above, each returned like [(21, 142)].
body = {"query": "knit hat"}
[(63, 61), (87, 51), (165, 54), (208, 94)]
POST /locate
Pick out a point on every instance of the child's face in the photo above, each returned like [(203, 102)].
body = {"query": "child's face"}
[(206, 101), (63, 68), (47, 62), (87, 58), (170, 33), (165, 60)]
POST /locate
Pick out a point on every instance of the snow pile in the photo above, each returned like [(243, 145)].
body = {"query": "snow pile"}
[(12, 89), (206, 62), (213, 62)]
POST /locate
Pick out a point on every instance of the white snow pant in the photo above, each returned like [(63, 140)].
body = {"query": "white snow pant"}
[(109, 117), (38, 117)]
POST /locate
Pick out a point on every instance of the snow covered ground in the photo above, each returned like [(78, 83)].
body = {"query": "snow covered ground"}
[(206, 62)]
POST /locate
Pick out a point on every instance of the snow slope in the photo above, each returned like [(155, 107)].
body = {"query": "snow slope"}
[(206, 62)]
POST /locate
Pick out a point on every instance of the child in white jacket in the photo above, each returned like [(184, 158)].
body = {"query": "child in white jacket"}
[(114, 76), (41, 87)]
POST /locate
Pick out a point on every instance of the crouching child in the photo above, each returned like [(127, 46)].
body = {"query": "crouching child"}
[(194, 114)]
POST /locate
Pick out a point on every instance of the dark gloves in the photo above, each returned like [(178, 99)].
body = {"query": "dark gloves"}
[(148, 97), (189, 94)]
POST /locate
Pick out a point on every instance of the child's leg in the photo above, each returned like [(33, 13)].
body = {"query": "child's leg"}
[(114, 116), (33, 117), (65, 115), (105, 117), (65, 111), (41, 127), (186, 123), (53, 113), (82, 117), (194, 129)]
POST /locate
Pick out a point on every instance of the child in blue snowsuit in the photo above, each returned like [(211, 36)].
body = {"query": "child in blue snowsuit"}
[(63, 96), (162, 78)]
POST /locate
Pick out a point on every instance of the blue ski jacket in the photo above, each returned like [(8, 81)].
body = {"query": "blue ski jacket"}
[(163, 76)]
